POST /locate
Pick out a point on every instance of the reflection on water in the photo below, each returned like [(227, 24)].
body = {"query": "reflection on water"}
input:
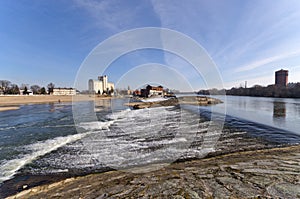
[(279, 113), (242, 103), (52, 107), (102, 105), (297, 109), (279, 109), (283, 113)]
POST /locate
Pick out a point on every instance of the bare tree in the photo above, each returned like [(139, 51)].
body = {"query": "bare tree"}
[(13, 89), (50, 88), (25, 92), (112, 90), (43, 91), (22, 87), (4, 85), (36, 89)]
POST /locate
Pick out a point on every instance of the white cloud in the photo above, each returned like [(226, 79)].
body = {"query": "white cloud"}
[(262, 62), (240, 37), (113, 14)]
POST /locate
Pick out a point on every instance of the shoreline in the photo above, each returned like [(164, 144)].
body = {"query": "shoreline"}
[(245, 169), (8, 103), (9, 108), (14, 102)]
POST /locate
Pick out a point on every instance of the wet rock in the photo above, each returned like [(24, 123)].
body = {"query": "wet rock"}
[(191, 100), (268, 173), (284, 190)]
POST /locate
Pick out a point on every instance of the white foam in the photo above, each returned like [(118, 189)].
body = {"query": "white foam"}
[(166, 142), (9, 168), (119, 114), (96, 125), (7, 128), (117, 150), (156, 99)]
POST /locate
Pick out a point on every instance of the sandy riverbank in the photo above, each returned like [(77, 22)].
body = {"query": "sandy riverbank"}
[(9, 108), (13, 102), (267, 173)]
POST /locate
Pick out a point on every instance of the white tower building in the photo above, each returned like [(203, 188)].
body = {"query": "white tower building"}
[(101, 85)]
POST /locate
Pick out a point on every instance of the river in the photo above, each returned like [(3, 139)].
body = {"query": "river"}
[(282, 113), (43, 140)]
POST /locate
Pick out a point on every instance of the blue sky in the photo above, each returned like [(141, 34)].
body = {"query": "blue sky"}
[(46, 41)]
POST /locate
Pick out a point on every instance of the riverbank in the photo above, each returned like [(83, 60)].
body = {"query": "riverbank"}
[(250, 174), (9, 108), (13, 102)]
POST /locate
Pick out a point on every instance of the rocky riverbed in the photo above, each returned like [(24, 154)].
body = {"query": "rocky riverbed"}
[(192, 100), (266, 173)]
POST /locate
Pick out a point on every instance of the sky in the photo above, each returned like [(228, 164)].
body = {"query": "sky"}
[(247, 40)]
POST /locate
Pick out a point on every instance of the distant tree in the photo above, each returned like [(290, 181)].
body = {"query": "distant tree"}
[(112, 90), (292, 91), (43, 91), (36, 89), (4, 85), (50, 88), (296, 90), (25, 92), (13, 90), (22, 87)]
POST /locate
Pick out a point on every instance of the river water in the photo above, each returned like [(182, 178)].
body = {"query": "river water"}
[(282, 113), (43, 139)]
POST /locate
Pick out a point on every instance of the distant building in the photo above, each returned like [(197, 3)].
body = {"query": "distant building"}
[(281, 77), (101, 85), (293, 85), (136, 93), (64, 91), (152, 91)]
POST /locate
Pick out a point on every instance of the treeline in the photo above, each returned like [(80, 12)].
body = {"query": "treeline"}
[(8, 88), (291, 91)]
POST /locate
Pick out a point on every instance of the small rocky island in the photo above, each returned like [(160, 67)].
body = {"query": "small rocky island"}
[(191, 100)]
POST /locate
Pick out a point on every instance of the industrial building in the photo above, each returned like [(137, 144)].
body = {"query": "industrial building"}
[(152, 91), (101, 85), (281, 77), (64, 91)]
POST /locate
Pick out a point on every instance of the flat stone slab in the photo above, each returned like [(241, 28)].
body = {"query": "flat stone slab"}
[(248, 174)]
